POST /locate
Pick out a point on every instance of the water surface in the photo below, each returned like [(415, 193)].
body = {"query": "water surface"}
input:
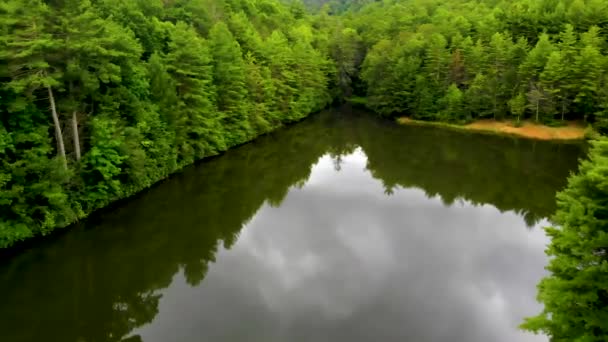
[(340, 228)]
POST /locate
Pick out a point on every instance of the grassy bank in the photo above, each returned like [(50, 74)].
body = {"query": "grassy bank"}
[(571, 131)]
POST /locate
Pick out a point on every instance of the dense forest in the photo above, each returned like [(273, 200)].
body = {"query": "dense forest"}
[(101, 99), (460, 60)]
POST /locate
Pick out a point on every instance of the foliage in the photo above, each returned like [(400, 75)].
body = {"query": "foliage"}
[(575, 294), (417, 51), (137, 90)]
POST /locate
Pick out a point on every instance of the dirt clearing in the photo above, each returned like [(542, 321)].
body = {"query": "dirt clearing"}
[(571, 131)]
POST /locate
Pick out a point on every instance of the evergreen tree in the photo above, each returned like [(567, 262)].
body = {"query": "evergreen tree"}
[(195, 119), (29, 48), (587, 70), (517, 106), (478, 97), (575, 294), (553, 79), (229, 80), (452, 104), (537, 58), (280, 61), (437, 58), (498, 67)]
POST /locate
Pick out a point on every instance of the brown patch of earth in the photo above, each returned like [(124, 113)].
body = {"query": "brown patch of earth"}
[(571, 131)]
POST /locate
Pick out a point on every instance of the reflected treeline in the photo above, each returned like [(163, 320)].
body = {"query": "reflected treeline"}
[(520, 175), (102, 280)]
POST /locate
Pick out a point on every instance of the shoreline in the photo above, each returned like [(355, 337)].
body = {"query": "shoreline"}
[(572, 131), (20, 246)]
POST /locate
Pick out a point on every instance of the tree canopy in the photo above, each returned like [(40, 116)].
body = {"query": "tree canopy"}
[(575, 294), (100, 99), (419, 52)]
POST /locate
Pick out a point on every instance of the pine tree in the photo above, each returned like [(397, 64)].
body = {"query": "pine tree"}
[(498, 66), (229, 80), (452, 104), (280, 61), (553, 79), (536, 60), (587, 70), (575, 294), (478, 98), (29, 46), (437, 59), (195, 121), (92, 54), (517, 106)]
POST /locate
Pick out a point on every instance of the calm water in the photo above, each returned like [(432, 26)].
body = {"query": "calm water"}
[(340, 228)]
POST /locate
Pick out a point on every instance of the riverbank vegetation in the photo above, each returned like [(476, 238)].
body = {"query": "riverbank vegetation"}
[(575, 294), (100, 99), (458, 60)]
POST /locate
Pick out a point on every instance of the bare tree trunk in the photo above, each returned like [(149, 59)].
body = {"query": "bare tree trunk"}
[(537, 107), (75, 134), (563, 109), (58, 134)]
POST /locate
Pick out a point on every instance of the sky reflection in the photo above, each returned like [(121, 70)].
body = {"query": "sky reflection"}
[(339, 260)]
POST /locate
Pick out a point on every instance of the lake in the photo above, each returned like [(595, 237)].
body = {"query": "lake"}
[(343, 227)]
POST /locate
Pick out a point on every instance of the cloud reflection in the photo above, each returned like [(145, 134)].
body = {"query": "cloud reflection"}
[(341, 261)]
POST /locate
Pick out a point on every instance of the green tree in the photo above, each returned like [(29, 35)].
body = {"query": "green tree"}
[(281, 62), (538, 99), (261, 96), (554, 78), (102, 166), (33, 199), (478, 97), (92, 54), (195, 119), (588, 68), (29, 46), (517, 106), (536, 60), (346, 52), (437, 58), (575, 294), (452, 104), (229, 81), (499, 64)]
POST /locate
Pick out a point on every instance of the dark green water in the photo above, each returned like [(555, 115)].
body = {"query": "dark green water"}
[(340, 228)]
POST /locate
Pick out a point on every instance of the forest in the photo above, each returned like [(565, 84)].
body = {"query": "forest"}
[(100, 99), (464, 60), (103, 98)]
